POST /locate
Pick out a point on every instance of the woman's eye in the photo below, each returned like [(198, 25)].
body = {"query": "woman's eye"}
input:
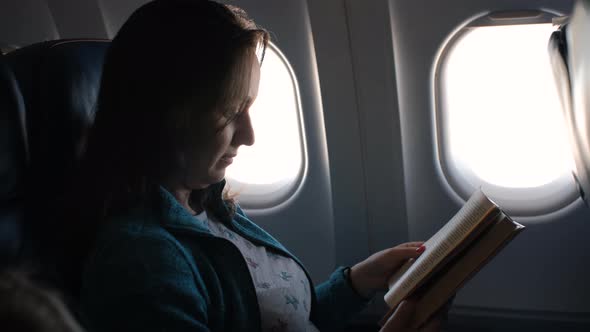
[(235, 115), (231, 116), (230, 113), (240, 114)]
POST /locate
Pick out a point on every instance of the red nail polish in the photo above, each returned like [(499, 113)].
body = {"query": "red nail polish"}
[(421, 249)]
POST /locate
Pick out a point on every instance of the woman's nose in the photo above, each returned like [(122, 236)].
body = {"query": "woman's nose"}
[(245, 134)]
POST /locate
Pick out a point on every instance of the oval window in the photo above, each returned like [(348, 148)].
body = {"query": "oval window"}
[(499, 119)]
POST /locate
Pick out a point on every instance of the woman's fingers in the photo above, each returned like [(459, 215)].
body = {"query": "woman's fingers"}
[(415, 244), (394, 256), (372, 274)]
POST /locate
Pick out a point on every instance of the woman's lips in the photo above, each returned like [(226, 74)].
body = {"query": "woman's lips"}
[(227, 159)]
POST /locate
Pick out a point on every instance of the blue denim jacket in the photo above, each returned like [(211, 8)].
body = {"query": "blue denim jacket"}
[(158, 270)]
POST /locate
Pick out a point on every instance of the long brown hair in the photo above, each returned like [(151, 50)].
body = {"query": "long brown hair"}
[(171, 63), (169, 56)]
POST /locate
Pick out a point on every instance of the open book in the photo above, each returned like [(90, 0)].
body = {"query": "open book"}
[(453, 255)]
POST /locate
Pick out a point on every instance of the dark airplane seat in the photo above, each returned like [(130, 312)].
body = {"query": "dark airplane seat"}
[(59, 82), (12, 166)]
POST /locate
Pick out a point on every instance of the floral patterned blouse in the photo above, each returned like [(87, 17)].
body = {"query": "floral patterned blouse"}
[(282, 288)]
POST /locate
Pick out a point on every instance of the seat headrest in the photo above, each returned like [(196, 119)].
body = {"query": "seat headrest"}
[(12, 135), (12, 165), (59, 81)]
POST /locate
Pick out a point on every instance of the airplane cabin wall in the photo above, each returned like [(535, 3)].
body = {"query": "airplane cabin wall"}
[(78, 19), (25, 22), (355, 63), (544, 273)]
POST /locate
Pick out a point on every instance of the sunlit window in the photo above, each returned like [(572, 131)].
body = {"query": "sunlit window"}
[(264, 173), (498, 110)]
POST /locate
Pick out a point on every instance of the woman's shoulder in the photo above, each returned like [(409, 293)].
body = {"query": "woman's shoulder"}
[(140, 251), (128, 235), (137, 260), (135, 222)]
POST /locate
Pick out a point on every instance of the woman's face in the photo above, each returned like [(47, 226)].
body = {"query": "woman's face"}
[(206, 161)]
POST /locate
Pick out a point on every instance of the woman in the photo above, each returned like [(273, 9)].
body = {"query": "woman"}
[(172, 253)]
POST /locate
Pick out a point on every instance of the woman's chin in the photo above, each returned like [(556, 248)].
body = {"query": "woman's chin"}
[(204, 182), (216, 176)]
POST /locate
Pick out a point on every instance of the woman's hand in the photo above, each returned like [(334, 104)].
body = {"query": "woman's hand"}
[(401, 320), (372, 274)]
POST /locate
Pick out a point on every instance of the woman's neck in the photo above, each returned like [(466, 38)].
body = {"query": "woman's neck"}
[(183, 196)]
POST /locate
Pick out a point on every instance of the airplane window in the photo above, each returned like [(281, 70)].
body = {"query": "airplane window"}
[(499, 116), (268, 172)]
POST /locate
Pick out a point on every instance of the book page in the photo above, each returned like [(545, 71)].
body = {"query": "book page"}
[(473, 213)]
